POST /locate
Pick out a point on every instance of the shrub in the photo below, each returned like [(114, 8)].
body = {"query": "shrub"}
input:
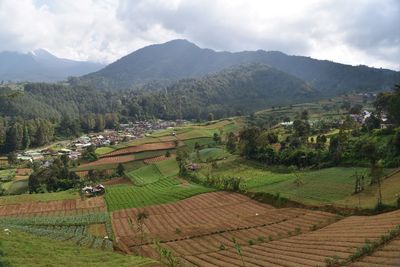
[(260, 239)]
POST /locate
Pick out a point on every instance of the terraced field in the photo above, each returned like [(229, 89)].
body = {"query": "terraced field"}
[(59, 207), (389, 255), (26, 249), (165, 190), (200, 230), (142, 148)]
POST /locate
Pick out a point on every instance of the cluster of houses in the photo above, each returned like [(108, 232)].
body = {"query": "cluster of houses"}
[(75, 148)]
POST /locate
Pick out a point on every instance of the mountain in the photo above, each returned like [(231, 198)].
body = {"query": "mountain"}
[(236, 90), (41, 66), (179, 59)]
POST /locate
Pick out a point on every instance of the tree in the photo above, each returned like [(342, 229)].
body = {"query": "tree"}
[(304, 115), (231, 142), (25, 138), (372, 122), (120, 169), (389, 104), (248, 141), (217, 138), (301, 128), (210, 117), (99, 123), (356, 109), (12, 158), (181, 158)]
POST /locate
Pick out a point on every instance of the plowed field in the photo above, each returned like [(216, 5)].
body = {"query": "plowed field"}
[(109, 160), (199, 231), (141, 148), (60, 207)]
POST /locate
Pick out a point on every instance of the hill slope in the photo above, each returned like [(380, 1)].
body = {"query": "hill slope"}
[(179, 59), (41, 66), (240, 89)]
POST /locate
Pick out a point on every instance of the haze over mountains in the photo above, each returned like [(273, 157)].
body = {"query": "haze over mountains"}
[(41, 66), (179, 59)]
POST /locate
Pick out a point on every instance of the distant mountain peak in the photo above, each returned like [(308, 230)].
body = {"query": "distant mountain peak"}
[(41, 66), (181, 59), (42, 53)]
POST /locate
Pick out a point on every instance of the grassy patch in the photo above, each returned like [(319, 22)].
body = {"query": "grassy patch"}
[(145, 175), (18, 187), (24, 249), (168, 167), (18, 199), (190, 143), (7, 175), (325, 186), (104, 150), (209, 154), (368, 198)]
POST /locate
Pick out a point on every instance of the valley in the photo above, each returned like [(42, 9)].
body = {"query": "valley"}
[(176, 155)]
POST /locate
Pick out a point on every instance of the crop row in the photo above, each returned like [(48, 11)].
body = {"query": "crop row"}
[(78, 235), (164, 190), (84, 219)]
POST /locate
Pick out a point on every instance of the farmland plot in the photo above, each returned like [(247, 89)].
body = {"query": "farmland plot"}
[(109, 160), (337, 241), (89, 230), (141, 148), (72, 206), (211, 217), (199, 231), (165, 190)]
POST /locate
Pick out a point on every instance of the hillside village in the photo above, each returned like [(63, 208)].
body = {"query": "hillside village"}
[(73, 149)]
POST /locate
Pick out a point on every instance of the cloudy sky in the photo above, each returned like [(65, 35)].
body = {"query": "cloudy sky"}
[(354, 32)]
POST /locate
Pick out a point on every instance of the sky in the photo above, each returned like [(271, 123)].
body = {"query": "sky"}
[(353, 32)]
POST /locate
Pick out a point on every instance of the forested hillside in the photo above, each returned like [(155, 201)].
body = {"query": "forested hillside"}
[(234, 91), (179, 59)]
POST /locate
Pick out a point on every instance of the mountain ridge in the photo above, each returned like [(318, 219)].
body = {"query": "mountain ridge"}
[(179, 59), (41, 66)]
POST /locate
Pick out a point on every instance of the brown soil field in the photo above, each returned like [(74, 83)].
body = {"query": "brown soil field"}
[(199, 230), (389, 255), (156, 159), (84, 174), (141, 148), (98, 229), (59, 207), (119, 180), (339, 239), (109, 160)]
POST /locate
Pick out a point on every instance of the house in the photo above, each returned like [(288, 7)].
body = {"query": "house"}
[(3, 161)]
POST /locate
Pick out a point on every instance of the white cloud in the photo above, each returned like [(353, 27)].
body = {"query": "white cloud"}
[(353, 32)]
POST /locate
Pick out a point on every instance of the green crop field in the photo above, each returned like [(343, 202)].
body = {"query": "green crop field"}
[(24, 249), (190, 143), (209, 154), (324, 186), (104, 150), (18, 187), (25, 198), (368, 198), (6, 175), (168, 167), (165, 190), (145, 175)]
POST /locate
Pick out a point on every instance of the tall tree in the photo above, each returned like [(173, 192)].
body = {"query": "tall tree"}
[(26, 141)]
